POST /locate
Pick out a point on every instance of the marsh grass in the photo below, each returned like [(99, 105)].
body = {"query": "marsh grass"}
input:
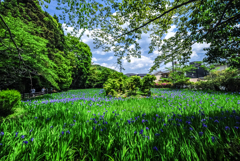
[(86, 125)]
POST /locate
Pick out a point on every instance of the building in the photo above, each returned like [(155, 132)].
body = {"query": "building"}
[(194, 75)]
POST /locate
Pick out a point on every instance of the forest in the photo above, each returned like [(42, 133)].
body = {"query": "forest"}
[(60, 61)]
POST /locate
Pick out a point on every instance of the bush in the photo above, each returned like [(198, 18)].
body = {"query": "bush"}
[(220, 78), (146, 84), (133, 84), (115, 84), (9, 99), (163, 85)]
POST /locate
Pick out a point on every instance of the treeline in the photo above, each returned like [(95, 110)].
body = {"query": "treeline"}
[(60, 61)]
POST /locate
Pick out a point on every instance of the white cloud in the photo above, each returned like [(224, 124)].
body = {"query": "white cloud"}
[(194, 54), (198, 47), (110, 58), (94, 59), (238, 25), (170, 32)]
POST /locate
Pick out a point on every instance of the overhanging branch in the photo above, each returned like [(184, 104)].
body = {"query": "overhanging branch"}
[(157, 18)]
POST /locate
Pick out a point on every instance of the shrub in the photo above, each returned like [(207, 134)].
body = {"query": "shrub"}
[(163, 85), (219, 78), (9, 99), (146, 84), (111, 87), (115, 84), (133, 84), (191, 84)]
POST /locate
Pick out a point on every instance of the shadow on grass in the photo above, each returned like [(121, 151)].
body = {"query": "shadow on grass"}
[(46, 96), (15, 113)]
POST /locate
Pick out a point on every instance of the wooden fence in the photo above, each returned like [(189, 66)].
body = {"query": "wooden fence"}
[(36, 94)]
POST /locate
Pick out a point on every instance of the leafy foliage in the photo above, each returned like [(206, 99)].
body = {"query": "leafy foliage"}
[(225, 78), (216, 19), (9, 99), (42, 40), (111, 86), (177, 77), (29, 43), (133, 84), (147, 83), (116, 83), (82, 55)]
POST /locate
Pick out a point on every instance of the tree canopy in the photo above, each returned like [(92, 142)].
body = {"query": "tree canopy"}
[(214, 17), (218, 22), (83, 55)]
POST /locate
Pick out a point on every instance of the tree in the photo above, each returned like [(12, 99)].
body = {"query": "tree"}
[(219, 19), (63, 69), (83, 57), (105, 75), (55, 48), (34, 52), (141, 12), (155, 13), (173, 49), (178, 76), (93, 78)]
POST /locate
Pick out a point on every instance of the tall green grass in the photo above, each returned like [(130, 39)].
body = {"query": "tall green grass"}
[(86, 125)]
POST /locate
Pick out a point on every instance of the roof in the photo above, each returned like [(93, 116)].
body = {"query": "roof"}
[(129, 73), (166, 71), (142, 74)]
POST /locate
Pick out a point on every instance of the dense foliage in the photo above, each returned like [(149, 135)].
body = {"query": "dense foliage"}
[(57, 58), (9, 99), (82, 54)]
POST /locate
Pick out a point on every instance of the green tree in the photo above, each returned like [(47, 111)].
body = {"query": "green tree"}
[(178, 76), (105, 74), (33, 47), (82, 64), (93, 78), (220, 27), (140, 14), (63, 69), (159, 15)]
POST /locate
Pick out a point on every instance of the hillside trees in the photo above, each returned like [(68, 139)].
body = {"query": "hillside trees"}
[(34, 52), (83, 55), (211, 16), (93, 78), (60, 61)]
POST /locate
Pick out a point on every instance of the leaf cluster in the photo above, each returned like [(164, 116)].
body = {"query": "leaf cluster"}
[(147, 83)]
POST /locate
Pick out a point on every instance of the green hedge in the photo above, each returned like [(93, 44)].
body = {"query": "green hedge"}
[(9, 99)]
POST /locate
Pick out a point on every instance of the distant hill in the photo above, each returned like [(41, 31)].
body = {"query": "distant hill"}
[(100, 68)]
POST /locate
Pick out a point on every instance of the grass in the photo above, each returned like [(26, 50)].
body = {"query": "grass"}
[(86, 125)]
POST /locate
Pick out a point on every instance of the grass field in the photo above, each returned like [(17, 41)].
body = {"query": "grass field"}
[(86, 125)]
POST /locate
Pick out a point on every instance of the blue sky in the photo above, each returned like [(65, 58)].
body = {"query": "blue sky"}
[(137, 65)]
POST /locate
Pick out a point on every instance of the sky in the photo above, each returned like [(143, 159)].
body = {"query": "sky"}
[(137, 65)]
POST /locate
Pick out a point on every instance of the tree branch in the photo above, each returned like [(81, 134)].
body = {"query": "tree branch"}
[(19, 55), (156, 18), (214, 29), (222, 14)]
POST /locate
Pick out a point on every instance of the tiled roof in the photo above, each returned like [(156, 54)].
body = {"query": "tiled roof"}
[(166, 71), (129, 73)]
